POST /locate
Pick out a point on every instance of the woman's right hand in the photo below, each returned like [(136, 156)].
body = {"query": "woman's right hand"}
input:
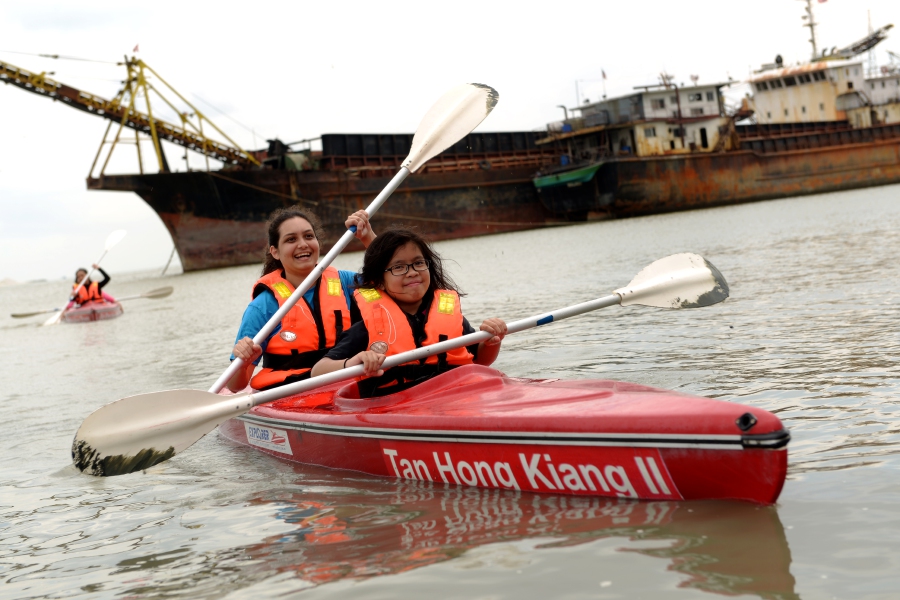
[(246, 350), (371, 361)]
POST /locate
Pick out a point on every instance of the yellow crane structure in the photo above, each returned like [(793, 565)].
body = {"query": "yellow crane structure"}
[(123, 109)]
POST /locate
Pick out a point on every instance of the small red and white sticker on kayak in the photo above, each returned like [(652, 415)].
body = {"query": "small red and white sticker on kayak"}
[(622, 472), (268, 438)]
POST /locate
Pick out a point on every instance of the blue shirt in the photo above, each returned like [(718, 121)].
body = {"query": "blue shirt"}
[(261, 309)]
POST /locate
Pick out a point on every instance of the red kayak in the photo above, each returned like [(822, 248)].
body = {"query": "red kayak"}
[(475, 426), (95, 310)]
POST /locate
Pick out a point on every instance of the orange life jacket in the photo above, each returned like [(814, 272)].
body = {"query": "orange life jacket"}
[(307, 332), (88, 292), (386, 323)]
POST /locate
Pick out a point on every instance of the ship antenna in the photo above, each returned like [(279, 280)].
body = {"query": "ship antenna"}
[(811, 23)]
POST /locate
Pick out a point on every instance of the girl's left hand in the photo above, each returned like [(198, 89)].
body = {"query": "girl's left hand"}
[(363, 229), (496, 327)]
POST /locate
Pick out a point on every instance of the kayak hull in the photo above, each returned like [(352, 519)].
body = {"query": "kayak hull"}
[(93, 311), (476, 427)]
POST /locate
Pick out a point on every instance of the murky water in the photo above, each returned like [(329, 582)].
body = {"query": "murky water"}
[(811, 332)]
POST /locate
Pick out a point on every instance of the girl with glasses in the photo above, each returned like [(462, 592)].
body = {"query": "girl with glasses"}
[(315, 322), (406, 302)]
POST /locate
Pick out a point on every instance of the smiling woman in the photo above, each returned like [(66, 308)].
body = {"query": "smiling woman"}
[(312, 326), (406, 302)]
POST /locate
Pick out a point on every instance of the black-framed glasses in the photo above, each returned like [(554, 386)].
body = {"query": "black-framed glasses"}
[(401, 270)]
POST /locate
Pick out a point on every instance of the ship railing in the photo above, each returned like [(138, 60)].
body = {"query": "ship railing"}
[(823, 139), (376, 166)]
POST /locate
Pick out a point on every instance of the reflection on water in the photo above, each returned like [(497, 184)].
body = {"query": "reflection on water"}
[(380, 529)]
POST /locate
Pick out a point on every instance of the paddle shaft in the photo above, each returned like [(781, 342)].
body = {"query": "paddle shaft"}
[(158, 293), (258, 398), (311, 279)]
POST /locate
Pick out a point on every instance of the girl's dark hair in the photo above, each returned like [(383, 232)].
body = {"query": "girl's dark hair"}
[(278, 217), (80, 269), (380, 252)]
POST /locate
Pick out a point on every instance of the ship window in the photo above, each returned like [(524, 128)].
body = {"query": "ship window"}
[(804, 78), (872, 85), (769, 114), (671, 144), (761, 86), (696, 112), (847, 72), (785, 112), (789, 81), (709, 96), (803, 109), (695, 97), (658, 103), (650, 132), (882, 85), (775, 83), (673, 99), (849, 85), (821, 106), (675, 113), (885, 116)]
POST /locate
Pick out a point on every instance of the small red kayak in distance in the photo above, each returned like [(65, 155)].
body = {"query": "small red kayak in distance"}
[(475, 426), (93, 311)]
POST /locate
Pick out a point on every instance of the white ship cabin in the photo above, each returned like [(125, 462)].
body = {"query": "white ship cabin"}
[(878, 103), (656, 121), (807, 93)]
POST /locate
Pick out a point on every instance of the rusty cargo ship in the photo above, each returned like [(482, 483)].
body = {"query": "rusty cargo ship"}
[(817, 127)]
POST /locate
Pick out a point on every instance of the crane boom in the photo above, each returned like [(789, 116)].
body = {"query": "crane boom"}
[(119, 111)]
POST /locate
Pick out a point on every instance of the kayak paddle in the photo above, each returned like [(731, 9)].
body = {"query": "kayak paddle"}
[(153, 294), (157, 293), (114, 238), (138, 432), (452, 117)]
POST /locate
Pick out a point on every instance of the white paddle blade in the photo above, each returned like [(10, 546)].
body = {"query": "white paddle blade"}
[(452, 117), (138, 432), (114, 238), (53, 320), (678, 281), (159, 292)]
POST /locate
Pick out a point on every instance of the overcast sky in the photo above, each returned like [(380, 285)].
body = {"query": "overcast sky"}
[(299, 69)]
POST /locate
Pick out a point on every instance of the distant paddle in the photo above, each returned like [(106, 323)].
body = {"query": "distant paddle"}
[(138, 432), (154, 294), (114, 238), (452, 117)]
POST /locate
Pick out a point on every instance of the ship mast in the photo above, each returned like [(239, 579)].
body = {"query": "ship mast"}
[(811, 23)]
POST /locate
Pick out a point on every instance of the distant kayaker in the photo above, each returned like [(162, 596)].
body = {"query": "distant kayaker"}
[(407, 302), (314, 324), (91, 290)]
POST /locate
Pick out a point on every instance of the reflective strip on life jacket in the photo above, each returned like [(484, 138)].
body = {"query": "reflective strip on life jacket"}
[(307, 333)]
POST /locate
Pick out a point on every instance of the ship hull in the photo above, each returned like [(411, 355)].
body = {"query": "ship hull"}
[(648, 187), (217, 219), (764, 169)]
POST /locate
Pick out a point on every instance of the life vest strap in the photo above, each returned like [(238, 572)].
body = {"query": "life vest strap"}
[(291, 362)]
